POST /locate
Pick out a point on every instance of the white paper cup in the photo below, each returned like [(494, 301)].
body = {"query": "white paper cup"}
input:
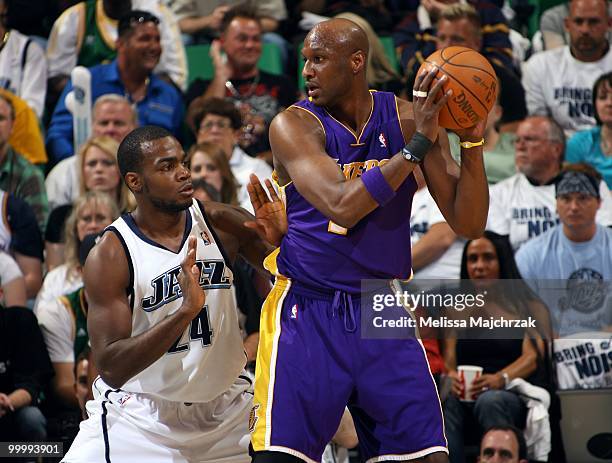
[(467, 375)]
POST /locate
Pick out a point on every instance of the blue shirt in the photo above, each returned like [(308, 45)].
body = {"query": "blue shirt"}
[(573, 279), (585, 146), (161, 106)]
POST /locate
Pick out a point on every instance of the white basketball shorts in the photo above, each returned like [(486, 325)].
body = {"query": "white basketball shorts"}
[(127, 427)]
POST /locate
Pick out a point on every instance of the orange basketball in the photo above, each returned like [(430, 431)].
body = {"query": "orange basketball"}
[(472, 80)]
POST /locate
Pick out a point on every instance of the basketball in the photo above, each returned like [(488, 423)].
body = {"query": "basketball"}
[(472, 80)]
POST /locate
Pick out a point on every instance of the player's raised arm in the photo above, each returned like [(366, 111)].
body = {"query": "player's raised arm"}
[(298, 144), (117, 355), (462, 193)]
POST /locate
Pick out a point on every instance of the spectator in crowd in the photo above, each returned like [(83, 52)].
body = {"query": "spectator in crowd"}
[(219, 122), (86, 35), (12, 283), (204, 191), (503, 444), (436, 249), (21, 238), (380, 73), (25, 370), (460, 25), (594, 146), (552, 26), (523, 206), (26, 136), (113, 116), (202, 19), (63, 323), (17, 176), (258, 94), (99, 171), (577, 255), (82, 383), (558, 82), (91, 213), (130, 74), (498, 148), (208, 161), (23, 67), (504, 355), (415, 36)]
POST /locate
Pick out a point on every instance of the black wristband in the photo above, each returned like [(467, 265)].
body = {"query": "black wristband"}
[(417, 147)]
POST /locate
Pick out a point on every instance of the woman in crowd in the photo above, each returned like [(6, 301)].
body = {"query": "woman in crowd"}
[(12, 283), (91, 213), (594, 146), (488, 267), (208, 161), (99, 172)]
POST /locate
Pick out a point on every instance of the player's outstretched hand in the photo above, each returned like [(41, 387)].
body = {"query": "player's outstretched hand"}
[(427, 107), (270, 217), (189, 279)]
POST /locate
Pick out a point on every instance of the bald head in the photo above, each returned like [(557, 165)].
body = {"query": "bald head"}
[(339, 34)]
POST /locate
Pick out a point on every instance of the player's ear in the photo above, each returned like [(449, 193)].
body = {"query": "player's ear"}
[(133, 180), (358, 61)]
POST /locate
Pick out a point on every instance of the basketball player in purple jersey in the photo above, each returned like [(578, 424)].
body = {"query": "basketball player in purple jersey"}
[(344, 162)]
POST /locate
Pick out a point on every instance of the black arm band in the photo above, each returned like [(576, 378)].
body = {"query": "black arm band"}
[(418, 146)]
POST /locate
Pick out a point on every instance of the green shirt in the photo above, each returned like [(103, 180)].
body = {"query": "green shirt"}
[(94, 49), (25, 181), (75, 301), (499, 162)]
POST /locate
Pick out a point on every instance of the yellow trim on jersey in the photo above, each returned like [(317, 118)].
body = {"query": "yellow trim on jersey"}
[(66, 304), (269, 262), (80, 9), (316, 117), (104, 24), (336, 229), (265, 370), (357, 138)]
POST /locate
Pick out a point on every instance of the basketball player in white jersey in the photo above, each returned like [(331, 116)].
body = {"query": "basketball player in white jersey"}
[(162, 322)]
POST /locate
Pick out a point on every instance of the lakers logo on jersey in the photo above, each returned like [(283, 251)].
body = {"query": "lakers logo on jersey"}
[(253, 418), (166, 287)]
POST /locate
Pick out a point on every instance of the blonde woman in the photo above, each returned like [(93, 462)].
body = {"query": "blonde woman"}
[(91, 213), (380, 73), (99, 171)]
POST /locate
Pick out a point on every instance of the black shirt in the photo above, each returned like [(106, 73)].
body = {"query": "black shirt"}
[(24, 361)]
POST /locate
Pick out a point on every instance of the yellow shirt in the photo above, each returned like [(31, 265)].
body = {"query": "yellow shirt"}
[(26, 137)]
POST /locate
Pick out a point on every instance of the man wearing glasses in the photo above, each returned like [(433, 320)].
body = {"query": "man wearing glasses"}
[(523, 206), (130, 75)]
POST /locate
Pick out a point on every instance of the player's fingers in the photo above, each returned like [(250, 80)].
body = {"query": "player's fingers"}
[(435, 89), (189, 260), (272, 191), (426, 82), (259, 190), (438, 105), (253, 197)]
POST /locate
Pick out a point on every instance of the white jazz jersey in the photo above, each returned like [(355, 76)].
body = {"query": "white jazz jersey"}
[(206, 360)]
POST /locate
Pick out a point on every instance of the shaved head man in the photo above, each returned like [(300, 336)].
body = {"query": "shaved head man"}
[(342, 158)]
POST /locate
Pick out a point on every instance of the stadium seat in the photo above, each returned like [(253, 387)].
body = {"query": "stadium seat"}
[(540, 7), (586, 424), (200, 64)]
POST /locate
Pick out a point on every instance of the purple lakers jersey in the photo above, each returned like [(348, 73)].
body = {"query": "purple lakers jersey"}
[(319, 253)]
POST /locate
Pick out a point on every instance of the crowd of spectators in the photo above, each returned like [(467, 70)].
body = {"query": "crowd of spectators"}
[(547, 153)]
